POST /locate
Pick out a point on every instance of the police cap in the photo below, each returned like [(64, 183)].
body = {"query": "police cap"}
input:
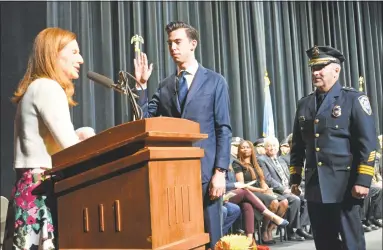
[(324, 55)]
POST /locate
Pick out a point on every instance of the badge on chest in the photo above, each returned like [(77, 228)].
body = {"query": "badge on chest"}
[(336, 111)]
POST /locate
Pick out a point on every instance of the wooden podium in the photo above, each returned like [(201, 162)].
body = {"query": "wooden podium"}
[(134, 186)]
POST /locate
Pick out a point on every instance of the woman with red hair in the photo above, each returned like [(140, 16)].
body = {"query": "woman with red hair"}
[(43, 127)]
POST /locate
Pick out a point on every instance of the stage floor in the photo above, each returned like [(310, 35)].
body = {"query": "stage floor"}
[(373, 241)]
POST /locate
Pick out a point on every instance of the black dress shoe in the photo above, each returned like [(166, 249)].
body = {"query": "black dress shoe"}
[(369, 224), (268, 242), (295, 237), (377, 222), (366, 228), (304, 234), (373, 227)]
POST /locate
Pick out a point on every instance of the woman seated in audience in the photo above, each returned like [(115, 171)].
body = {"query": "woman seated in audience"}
[(246, 170), (248, 202)]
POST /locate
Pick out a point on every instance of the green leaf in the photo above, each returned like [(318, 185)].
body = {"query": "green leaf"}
[(39, 203), (36, 227), (25, 216), (18, 213)]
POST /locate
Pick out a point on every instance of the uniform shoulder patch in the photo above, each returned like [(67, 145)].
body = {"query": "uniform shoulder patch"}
[(365, 103)]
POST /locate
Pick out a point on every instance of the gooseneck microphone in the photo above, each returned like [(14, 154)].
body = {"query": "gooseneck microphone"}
[(121, 87), (106, 82)]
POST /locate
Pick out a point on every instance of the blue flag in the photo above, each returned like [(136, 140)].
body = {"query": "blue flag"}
[(268, 119)]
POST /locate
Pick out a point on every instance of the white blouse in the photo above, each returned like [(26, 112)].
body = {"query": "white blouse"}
[(42, 125)]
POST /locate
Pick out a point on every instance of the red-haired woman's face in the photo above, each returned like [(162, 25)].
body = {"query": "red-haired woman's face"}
[(70, 60), (245, 150)]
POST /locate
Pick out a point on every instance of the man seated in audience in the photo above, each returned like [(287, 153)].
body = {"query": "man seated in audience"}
[(235, 141), (285, 149), (259, 147), (371, 213), (277, 176), (230, 213)]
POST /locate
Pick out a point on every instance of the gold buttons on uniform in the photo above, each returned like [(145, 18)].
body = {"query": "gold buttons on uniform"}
[(317, 149), (316, 121), (316, 135), (319, 163)]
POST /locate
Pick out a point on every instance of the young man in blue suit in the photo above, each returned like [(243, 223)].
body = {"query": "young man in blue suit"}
[(201, 95)]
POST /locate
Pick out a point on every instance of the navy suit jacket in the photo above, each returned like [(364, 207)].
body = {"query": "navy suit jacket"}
[(208, 104)]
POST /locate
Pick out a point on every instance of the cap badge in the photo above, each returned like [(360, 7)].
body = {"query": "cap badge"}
[(316, 51)]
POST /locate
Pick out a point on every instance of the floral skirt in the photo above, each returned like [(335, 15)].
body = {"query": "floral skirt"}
[(29, 220)]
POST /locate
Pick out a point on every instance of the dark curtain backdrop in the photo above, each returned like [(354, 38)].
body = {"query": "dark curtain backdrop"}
[(20, 22), (240, 40)]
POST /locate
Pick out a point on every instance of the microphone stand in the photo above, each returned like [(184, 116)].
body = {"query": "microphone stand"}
[(123, 87)]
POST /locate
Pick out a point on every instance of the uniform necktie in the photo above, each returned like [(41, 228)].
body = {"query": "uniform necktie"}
[(320, 98), (182, 89)]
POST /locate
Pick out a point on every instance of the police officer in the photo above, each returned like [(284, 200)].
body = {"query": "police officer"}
[(334, 132)]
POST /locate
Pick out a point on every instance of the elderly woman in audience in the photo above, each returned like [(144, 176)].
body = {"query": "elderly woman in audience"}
[(247, 170)]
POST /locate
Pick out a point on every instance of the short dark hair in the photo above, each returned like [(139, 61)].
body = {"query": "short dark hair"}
[(191, 32)]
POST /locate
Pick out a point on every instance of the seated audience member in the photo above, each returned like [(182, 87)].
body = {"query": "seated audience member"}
[(246, 169), (259, 147), (285, 149), (248, 203), (277, 176), (371, 213), (234, 148), (230, 213)]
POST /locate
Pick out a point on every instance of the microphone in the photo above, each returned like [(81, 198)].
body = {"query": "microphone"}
[(106, 82), (121, 87)]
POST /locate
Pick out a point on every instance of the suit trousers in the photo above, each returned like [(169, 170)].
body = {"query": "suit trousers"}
[(304, 212), (292, 214), (372, 208), (328, 221), (230, 213), (212, 213)]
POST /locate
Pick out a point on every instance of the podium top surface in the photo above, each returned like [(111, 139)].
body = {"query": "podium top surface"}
[(158, 129)]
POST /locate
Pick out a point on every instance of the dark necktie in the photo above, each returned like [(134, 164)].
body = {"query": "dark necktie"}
[(320, 98), (182, 89)]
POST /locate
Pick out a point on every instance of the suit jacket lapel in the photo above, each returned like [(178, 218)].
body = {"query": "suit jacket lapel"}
[(330, 97), (197, 83), (272, 163)]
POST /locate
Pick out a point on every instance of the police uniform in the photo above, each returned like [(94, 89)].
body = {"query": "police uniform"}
[(337, 140)]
